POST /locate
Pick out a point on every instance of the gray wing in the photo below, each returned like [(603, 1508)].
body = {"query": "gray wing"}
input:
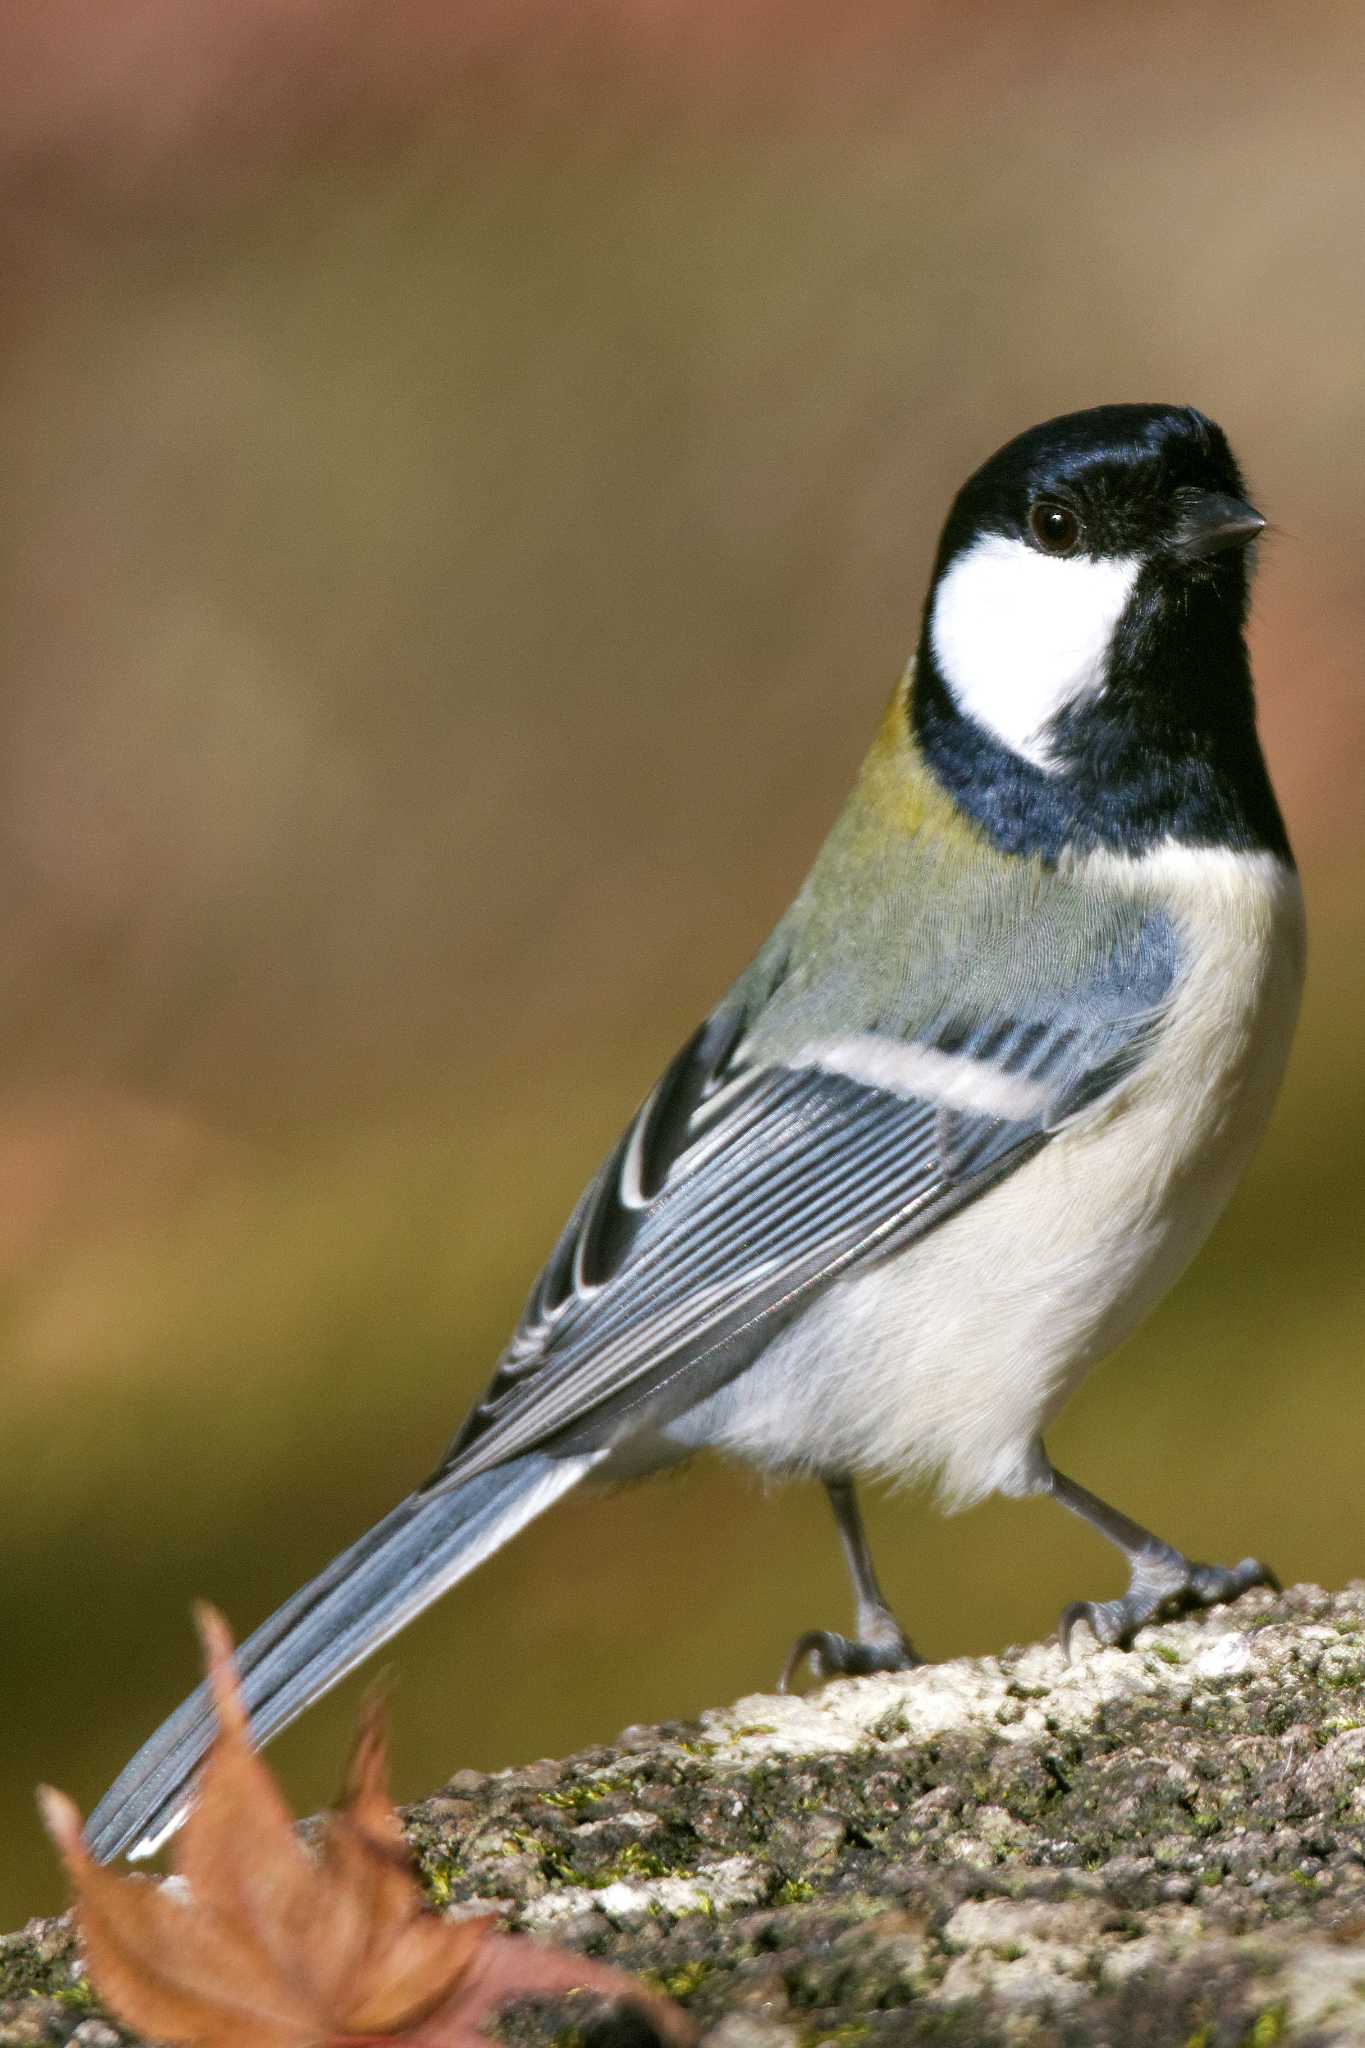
[(739, 1190)]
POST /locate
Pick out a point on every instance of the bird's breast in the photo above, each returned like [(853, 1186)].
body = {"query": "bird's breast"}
[(1184, 1126), (950, 1358)]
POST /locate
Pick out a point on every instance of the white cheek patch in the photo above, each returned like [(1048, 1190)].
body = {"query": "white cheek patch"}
[(1020, 636)]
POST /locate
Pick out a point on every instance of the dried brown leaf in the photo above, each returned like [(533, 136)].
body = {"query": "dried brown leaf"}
[(274, 1948), (162, 1967)]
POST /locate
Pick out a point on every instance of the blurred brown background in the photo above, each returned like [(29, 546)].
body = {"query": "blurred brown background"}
[(469, 476)]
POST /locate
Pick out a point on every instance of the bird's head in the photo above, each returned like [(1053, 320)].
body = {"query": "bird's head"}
[(1082, 676)]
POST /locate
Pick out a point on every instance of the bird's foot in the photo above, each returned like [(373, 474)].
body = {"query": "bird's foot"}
[(1159, 1591), (827, 1655)]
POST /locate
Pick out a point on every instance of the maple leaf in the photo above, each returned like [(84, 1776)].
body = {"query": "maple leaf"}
[(277, 1948)]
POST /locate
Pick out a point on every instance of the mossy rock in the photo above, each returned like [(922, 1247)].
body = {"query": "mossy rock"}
[(1160, 1847)]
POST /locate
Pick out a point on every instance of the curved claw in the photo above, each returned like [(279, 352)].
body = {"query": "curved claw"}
[(1103, 1618), (821, 1649), (1211, 1584), (1114, 1623), (834, 1656)]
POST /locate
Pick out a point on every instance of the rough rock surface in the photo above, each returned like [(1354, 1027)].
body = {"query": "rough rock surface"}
[(1160, 1847)]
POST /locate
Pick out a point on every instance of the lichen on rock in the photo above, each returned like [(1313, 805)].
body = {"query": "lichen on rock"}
[(1160, 1846)]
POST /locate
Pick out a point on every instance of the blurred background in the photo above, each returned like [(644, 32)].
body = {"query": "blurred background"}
[(469, 476)]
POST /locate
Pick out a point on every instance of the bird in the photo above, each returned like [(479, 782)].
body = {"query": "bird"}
[(960, 1124)]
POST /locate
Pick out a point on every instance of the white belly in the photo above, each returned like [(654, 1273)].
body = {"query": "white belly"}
[(950, 1359)]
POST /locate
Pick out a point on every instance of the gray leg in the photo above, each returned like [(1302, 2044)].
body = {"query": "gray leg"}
[(1160, 1580), (880, 1644)]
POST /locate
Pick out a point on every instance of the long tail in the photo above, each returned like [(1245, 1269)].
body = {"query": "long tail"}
[(363, 1597)]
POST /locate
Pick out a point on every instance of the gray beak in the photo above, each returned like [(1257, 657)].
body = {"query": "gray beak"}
[(1213, 523)]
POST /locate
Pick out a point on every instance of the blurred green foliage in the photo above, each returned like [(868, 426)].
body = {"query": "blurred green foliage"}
[(445, 593)]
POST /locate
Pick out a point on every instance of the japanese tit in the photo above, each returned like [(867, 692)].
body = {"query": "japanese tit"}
[(972, 1108)]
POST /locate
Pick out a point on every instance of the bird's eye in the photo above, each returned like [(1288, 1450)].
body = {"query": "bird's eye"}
[(1056, 530)]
